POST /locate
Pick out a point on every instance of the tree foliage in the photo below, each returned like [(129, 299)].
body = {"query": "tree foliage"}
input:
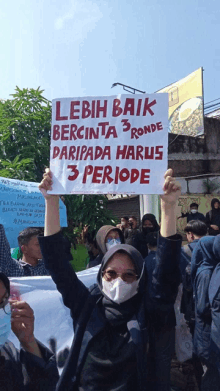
[(88, 210), (25, 123)]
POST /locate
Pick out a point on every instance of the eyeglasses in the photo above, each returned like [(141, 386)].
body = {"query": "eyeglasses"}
[(110, 275), (5, 306)]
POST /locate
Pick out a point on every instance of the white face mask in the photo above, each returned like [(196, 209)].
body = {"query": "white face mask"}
[(112, 242), (119, 290), (194, 211)]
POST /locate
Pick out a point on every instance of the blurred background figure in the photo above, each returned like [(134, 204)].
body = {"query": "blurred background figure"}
[(106, 237), (213, 218), (194, 214), (150, 260), (124, 224), (133, 222), (149, 224), (131, 234), (195, 230), (89, 241)]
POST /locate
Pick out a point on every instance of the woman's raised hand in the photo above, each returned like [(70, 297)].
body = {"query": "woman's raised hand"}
[(171, 188), (46, 184)]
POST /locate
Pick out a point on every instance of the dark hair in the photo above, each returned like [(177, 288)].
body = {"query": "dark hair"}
[(194, 204), (125, 218), (5, 281), (133, 217), (27, 234), (197, 227), (90, 237), (151, 239)]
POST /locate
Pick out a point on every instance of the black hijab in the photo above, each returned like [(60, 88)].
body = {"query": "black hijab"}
[(215, 212), (152, 219), (214, 200), (118, 314)]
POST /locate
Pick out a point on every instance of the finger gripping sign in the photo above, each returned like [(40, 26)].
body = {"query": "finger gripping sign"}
[(115, 144)]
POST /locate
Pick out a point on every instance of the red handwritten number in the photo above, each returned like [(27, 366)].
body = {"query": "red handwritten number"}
[(75, 172), (126, 125)]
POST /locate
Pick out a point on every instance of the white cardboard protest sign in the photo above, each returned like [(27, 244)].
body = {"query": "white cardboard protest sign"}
[(115, 144)]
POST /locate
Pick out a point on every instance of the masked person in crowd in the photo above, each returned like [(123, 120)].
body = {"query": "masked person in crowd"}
[(213, 218), (194, 213), (33, 368), (106, 237), (31, 263), (133, 222), (88, 239), (124, 225), (148, 225), (132, 232), (114, 319)]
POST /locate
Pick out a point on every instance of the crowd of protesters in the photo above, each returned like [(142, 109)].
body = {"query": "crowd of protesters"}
[(129, 314)]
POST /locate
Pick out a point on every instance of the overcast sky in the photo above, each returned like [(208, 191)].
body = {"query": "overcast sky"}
[(81, 47)]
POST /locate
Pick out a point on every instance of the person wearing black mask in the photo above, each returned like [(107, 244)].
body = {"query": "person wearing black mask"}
[(149, 225), (213, 218)]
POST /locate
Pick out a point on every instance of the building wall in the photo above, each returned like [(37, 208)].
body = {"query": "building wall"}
[(189, 155), (201, 185)]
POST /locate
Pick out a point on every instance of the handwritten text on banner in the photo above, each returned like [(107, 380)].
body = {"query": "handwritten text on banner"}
[(115, 144), (22, 205)]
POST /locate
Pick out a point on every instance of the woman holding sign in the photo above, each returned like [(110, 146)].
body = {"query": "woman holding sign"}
[(116, 320)]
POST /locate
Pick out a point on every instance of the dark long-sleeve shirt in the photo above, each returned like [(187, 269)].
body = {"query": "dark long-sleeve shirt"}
[(194, 216), (213, 218), (23, 371)]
